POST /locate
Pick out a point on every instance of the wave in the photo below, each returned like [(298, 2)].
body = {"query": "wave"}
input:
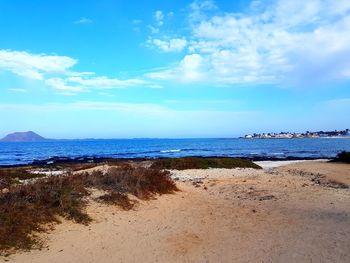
[(170, 151)]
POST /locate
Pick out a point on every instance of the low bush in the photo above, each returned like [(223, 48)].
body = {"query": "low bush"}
[(119, 199), (9, 176), (337, 184), (141, 182), (343, 157), (25, 209), (202, 163)]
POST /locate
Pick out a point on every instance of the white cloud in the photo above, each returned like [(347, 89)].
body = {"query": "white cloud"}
[(190, 69), (76, 84), (191, 66), (159, 21), (198, 9), (170, 45), (283, 42), (84, 20), (166, 74), (159, 17), (34, 66), (61, 86), (56, 72), (203, 5), (154, 30), (105, 82)]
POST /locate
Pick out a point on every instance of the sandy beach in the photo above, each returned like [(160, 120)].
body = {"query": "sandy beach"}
[(290, 212), (198, 131)]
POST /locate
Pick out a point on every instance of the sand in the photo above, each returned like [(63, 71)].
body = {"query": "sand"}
[(275, 164), (220, 215)]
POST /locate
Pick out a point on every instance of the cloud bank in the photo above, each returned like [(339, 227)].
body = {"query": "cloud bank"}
[(278, 42), (56, 72), (282, 42)]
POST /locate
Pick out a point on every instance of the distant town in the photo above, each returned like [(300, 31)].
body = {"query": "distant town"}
[(292, 135)]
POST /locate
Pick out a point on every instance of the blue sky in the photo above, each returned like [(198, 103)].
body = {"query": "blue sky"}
[(125, 69)]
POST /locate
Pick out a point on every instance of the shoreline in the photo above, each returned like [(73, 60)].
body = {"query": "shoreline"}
[(297, 138), (99, 160), (135, 139)]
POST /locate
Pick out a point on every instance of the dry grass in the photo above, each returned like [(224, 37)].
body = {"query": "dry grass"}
[(203, 163), (337, 184), (10, 176), (119, 199), (140, 182), (25, 209)]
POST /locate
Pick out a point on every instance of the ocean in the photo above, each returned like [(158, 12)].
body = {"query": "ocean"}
[(15, 153)]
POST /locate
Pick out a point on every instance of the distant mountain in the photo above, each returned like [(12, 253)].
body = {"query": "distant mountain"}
[(23, 137)]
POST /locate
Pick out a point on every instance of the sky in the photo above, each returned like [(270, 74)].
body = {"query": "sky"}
[(173, 69)]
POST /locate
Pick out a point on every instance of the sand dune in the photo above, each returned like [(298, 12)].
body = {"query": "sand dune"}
[(220, 215)]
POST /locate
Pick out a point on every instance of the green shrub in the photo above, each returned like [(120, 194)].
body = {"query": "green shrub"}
[(202, 163)]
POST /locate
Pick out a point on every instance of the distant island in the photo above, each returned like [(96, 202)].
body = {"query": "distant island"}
[(295, 135), (29, 136)]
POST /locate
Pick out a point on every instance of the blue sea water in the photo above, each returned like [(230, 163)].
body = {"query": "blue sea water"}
[(12, 153)]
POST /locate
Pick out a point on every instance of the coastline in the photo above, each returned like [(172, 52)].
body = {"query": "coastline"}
[(297, 138), (100, 160), (100, 150)]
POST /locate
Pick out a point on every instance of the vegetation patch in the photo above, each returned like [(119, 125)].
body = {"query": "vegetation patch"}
[(116, 198), (10, 176), (337, 184), (202, 163), (25, 210), (343, 157), (141, 182)]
